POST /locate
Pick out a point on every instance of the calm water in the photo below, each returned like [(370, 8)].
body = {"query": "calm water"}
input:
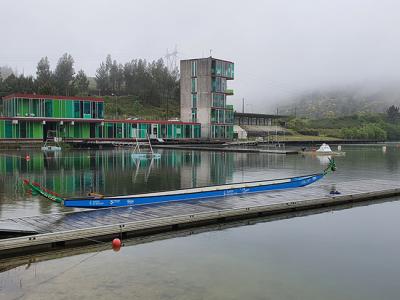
[(345, 254)]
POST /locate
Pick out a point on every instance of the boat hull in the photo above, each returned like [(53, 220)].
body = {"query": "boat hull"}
[(195, 193)]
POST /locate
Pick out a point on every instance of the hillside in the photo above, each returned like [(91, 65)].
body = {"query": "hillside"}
[(124, 107), (344, 101)]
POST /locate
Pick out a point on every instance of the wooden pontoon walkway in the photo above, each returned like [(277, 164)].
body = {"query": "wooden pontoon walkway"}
[(67, 229), (229, 149)]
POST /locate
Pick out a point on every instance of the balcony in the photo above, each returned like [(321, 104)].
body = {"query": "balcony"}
[(229, 92)]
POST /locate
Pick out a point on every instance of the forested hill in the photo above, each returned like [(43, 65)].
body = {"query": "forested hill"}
[(344, 101)]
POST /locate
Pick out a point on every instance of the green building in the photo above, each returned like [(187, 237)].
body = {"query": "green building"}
[(80, 119)]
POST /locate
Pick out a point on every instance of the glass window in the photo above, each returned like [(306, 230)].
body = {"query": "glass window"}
[(194, 68), (94, 109), (213, 67), (77, 109), (86, 109), (110, 130), (48, 107), (194, 100), (194, 85), (218, 70), (188, 131), (213, 115), (194, 115), (22, 129), (100, 107)]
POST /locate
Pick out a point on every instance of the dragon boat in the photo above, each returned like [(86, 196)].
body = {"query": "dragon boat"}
[(94, 200)]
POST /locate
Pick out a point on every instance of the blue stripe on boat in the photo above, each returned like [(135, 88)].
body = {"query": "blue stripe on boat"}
[(195, 193)]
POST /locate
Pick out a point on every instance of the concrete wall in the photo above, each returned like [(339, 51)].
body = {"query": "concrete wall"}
[(186, 87), (203, 93)]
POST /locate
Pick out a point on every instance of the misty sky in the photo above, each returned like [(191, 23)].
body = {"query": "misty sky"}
[(280, 47)]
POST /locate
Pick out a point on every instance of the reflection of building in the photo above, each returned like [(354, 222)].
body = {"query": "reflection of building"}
[(79, 118), (203, 96), (205, 168), (78, 173)]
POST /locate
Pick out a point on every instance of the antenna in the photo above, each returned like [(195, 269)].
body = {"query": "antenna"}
[(171, 59)]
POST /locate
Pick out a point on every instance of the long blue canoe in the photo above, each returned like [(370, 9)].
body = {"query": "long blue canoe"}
[(230, 189), (195, 193)]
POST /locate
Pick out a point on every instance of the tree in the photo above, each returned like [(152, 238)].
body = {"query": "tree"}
[(113, 76), (64, 74), (393, 114), (81, 83), (102, 78), (44, 77), (120, 78), (5, 71)]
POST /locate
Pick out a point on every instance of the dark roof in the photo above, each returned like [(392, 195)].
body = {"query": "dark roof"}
[(253, 115), (36, 96), (82, 120), (210, 57)]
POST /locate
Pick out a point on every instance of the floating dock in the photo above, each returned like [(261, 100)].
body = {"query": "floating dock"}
[(228, 149), (76, 228)]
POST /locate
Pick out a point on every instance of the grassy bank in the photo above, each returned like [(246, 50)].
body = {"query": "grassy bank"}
[(124, 107), (374, 127)]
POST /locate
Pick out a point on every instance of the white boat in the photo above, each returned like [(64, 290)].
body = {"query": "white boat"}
[(51, 143), (51, 148), (324, 149)]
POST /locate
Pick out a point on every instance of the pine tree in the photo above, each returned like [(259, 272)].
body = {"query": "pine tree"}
[(64, 74), (81, 83), (44, 77)]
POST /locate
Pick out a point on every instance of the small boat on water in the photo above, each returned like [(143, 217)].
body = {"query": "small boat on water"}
[(324, 149), (51, 143), (94, 200)]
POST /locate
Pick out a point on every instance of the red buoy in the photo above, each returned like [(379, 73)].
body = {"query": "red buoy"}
[(27, 157), (116, 244)]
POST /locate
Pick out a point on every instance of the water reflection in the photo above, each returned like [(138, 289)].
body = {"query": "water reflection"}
[(112, 172)]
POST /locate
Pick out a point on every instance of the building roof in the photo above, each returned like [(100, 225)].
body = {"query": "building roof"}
[(210, 57), (52, 97), (151, 122), (253, 115), (40, 119)]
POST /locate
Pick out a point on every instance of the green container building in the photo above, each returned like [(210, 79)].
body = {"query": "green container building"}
[(32, 117)]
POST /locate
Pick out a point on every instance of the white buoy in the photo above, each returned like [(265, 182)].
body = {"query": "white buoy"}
[(339, 148)]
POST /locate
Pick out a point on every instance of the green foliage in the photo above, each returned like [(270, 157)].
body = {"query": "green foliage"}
[(366, 132), (392, 131), (81, 83), (102, 78), (17, 84), (44, 77), (151, 83), (312, 132), (64, 74), (298, 124), (361, 126), (123, 107), (393, 114)]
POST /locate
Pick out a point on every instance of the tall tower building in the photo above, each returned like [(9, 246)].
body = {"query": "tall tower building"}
[(203, 96)]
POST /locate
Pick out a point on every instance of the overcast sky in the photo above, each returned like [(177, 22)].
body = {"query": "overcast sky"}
[(280, 47)]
